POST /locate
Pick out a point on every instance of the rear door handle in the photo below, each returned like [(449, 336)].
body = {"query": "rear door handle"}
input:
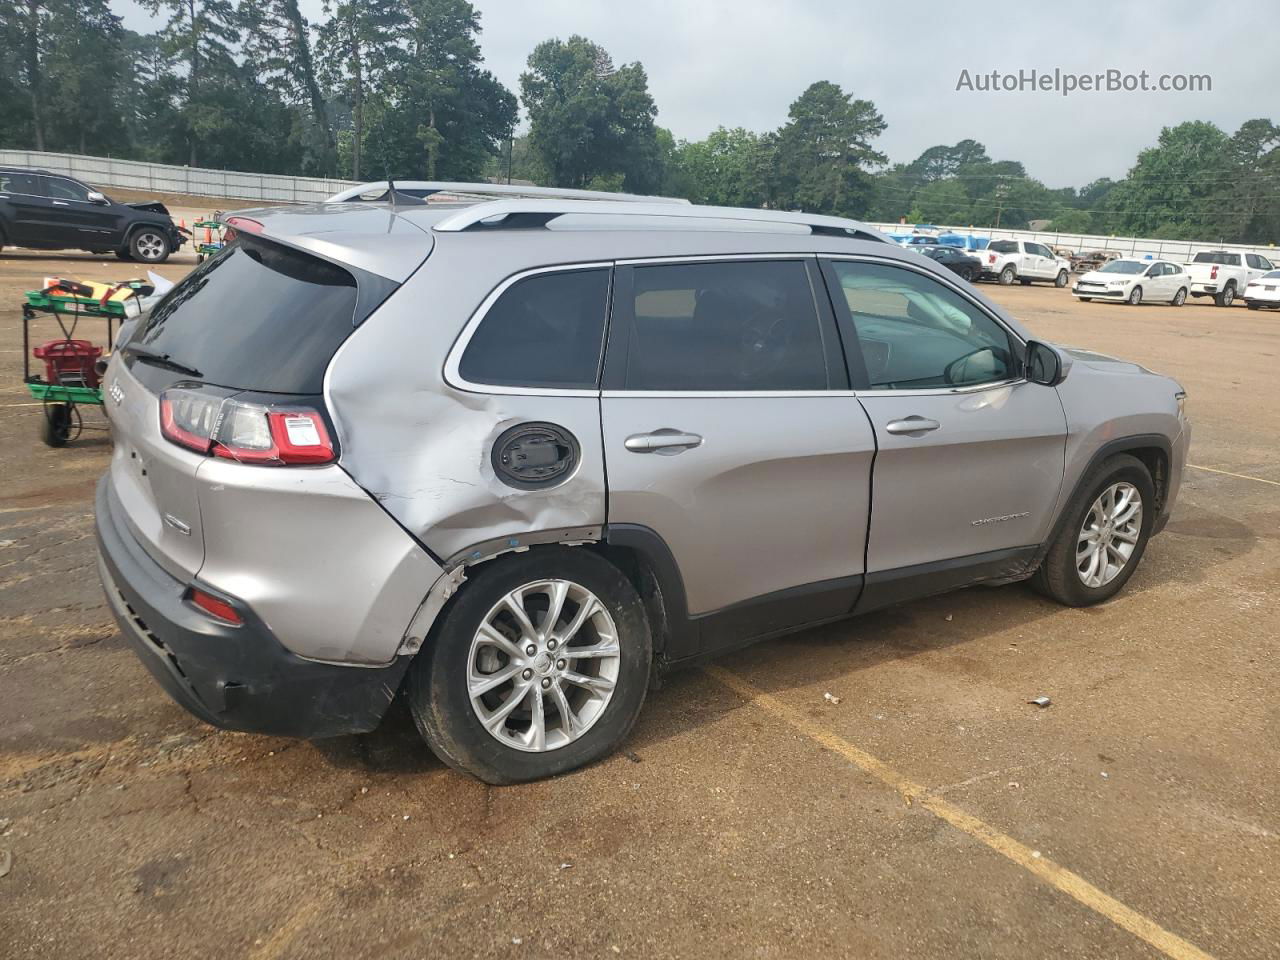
[(664, 441), (60, 203), (912, 426)]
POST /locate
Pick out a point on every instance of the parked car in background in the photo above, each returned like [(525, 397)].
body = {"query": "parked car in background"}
[(1093, 260), (610, 451), (1024, 261), (956, 260), (1224, 274), (49, 211), (1133, 281), (1263, 292)]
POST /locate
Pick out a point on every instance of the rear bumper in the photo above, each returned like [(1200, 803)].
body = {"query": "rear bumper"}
[(234, 677)]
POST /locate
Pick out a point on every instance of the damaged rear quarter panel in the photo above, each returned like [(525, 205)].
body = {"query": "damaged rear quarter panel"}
[(421, 447)]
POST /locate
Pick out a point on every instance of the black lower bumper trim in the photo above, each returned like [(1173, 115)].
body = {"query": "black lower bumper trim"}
[(234, 677)]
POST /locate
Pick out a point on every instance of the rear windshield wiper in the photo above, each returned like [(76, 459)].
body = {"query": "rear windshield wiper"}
[(148, 355)]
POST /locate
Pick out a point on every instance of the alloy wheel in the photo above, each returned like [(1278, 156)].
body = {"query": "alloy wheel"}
[(1109, 535), (150, 246), (543, 665)]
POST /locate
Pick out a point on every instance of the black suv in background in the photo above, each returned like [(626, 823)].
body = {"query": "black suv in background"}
[(48, 211)]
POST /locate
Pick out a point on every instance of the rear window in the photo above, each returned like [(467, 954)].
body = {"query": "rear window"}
[(1004, 246), (543, 331), (258, 316), (1217, 256)]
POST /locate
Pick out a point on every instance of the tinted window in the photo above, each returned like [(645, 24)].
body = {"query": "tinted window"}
[(544, 331), (1003, 246), (1218, 256), (746, 325), (1264, 263), (1123, 266), (257, 316), (59, 188), (1273, 275), (917, 333), (23, 183)]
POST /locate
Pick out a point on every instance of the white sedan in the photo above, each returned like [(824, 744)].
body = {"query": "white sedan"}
[(1134, 281), (1264, 291)]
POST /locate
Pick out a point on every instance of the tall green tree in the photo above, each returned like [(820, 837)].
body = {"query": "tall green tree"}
[(730, 168), (278, 41), (825, 152), (360, 43), (1171, 191), (202, 34), (588, 118), (85, 67)]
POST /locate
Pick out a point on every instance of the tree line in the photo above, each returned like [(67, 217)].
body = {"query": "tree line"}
[(398, 88)]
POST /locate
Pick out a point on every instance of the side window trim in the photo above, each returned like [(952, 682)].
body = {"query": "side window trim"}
[(622, 318), (453, 360), (853, 347)]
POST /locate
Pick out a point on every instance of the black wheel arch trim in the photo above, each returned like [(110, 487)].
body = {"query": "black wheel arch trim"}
[(1137, 441)]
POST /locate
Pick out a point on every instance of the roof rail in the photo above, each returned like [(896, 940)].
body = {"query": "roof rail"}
[(500, 214), (425, 188)]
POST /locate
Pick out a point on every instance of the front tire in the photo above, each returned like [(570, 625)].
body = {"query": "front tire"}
[(1250, 305), (488, 706), (1102, 535), (1086, 299), (149, 246), (1135, 296)]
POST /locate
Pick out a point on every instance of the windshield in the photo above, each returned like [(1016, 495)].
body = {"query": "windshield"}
[(1003, 246), (258, 316), (1124, 266), (1217, 256)]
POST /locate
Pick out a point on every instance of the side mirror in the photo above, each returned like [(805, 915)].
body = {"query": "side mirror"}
[(96, 197), (1045, 365)]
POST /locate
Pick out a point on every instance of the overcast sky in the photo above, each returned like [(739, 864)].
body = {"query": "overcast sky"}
[(741, 63)]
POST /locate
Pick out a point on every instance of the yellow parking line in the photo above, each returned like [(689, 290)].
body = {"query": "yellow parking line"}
[(1238, 476), (1073, 885)]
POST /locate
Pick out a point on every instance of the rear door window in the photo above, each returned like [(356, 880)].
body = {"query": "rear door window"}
[(543, 331), (258, 316), (25, 184), (727, 326)]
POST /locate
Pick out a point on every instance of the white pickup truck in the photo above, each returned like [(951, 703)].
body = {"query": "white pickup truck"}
[(1223, 274), (1024, 261)]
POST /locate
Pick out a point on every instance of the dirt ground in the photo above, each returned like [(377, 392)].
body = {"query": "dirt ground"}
[(931, 812)]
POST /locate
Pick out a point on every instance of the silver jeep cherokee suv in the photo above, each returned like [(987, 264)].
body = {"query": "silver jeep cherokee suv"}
[(508, 457)]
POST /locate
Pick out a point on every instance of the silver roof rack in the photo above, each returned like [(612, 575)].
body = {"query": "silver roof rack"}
[(529, 213), (467, 191)]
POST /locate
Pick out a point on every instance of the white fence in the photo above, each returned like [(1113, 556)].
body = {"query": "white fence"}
[(203, 182), (163, 178), (1179, 251)]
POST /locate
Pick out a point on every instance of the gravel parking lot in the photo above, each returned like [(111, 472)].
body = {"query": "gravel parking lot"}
[(930, 812)]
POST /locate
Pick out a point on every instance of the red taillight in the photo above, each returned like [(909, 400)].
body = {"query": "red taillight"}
[(1213, 274), (275, 435), (991, 258), (244, 224), (218, 609)]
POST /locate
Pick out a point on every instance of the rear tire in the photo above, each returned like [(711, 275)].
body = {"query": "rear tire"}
[(1226, 297), (1061, 280), (1180, 297), (1007, 276), (460, 655), (1060, 576), (1251, 306)]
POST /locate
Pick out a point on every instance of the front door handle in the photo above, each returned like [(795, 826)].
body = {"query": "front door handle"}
[(60, 203), (664, 441), (912, 426)]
